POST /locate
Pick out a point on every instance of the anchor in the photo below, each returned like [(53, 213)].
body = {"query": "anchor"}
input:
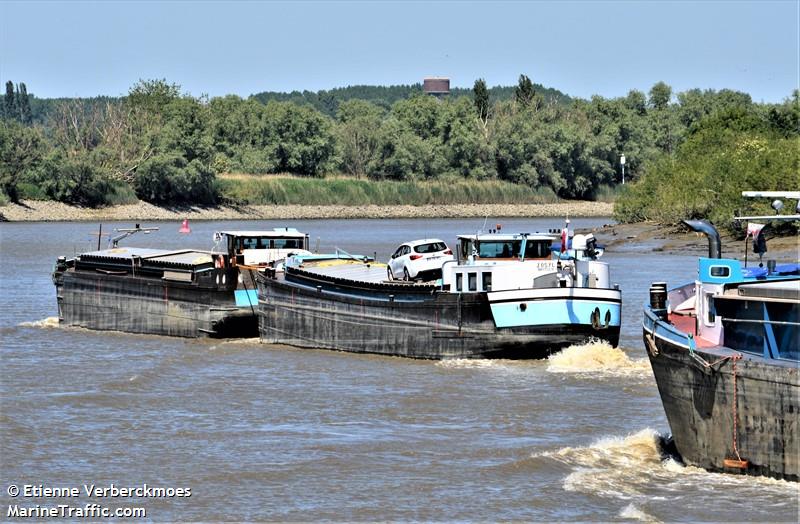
[(595, 319)]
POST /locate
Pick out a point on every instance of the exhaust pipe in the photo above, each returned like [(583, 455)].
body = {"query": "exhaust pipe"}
[(705, 227)]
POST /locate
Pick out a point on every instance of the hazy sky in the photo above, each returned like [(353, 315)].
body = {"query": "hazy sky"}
[(580, 47)]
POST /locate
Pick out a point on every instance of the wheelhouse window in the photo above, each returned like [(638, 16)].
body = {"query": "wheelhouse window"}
[(254, 243), (465, 248), (287, 243), (499, 248), (459, 282), (537, 249)]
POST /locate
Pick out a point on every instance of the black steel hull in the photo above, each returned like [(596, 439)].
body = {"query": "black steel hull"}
[(150, 306), (699, 403), (426, 324)]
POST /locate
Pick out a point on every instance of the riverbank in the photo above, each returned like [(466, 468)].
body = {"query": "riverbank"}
[(48, 211), (642, 237)]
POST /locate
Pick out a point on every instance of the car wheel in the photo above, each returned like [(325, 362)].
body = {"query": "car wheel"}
[(389, 273), (406, 276)]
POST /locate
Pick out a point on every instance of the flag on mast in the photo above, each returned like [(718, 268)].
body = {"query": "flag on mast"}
[(754, 229)]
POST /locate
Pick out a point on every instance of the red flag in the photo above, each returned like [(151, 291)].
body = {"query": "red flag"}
[(564, 237), (185, 227), (753, 229)]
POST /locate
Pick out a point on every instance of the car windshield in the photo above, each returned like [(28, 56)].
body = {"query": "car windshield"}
[(433, 247)]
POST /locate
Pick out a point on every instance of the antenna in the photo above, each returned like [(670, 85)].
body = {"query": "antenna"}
[(128, 232)]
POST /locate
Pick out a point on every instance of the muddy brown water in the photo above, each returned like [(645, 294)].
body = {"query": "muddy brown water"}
[(271, 433)]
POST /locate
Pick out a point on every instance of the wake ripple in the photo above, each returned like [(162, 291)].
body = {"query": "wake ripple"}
[(598, 358), (468, 363)]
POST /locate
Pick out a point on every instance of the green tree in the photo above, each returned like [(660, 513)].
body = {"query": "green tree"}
[(524, 149), (358, 133), (302, 138), (464, 147), (733, 150), (422, 115), (239, 135), (180, 169), (153, 95), (481, 100), (524, 92), (636, 101), (10, 111), (24, 104), (168, 178), (663, 118), (76, 180), (402, 154), (660, 95), (785, 118), (21, 150)]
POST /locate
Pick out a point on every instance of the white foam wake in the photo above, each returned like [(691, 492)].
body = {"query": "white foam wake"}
[(49, 322), (634, 468), (631, 512), (599, 358)]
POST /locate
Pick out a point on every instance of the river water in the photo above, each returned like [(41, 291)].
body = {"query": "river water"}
[(271, 433)]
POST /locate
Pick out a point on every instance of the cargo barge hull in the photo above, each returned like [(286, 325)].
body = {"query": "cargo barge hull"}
[(406, 320), (144, 305), (727, 413)]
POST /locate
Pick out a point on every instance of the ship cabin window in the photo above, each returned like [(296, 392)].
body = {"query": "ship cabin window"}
[(465, 248), (537, 249), (473, 281), (499, 248), (287, 243), (486, 278), (720, 271), (459, 282), (760, 324), (711, 316), (253, 243)]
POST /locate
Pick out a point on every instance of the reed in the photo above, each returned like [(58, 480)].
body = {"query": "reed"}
[(339, 190)]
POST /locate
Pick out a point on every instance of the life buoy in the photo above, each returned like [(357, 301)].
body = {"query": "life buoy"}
[(219, 262)]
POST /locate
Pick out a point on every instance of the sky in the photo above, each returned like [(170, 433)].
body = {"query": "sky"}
[(581, 48)]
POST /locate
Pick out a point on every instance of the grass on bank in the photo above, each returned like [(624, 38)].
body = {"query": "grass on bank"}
[(287, 190), (121, 194), (282, 189)]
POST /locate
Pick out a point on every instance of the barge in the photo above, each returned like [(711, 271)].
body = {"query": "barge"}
[(184, 293), (725, 353), (505, 296)]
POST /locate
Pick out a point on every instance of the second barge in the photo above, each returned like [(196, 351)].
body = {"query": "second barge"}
[(487, 304)]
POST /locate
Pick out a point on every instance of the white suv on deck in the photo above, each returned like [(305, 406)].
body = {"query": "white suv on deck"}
[(419, 259)]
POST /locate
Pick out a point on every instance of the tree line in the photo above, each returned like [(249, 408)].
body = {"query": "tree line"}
[(167, 147)]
